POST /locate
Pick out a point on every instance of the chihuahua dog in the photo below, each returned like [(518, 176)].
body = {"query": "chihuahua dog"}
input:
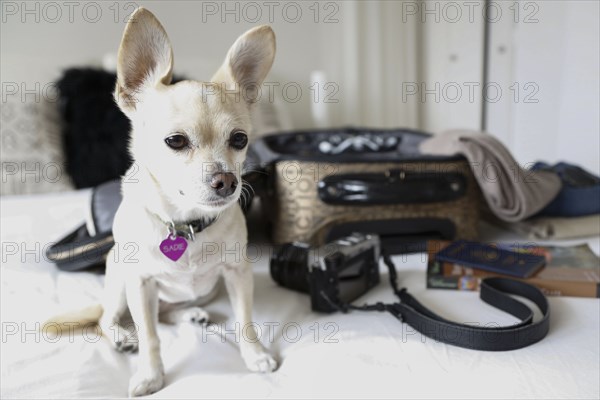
[(188, 141)]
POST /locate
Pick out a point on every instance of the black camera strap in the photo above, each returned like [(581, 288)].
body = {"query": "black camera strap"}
[(494, 291)]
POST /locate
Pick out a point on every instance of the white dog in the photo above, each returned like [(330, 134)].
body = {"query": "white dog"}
[(188, 141)]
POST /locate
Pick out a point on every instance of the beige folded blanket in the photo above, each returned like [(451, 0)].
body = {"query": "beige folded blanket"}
[(556, 228), (512, 193)]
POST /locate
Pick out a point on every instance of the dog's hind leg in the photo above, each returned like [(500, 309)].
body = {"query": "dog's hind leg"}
[(115, 306), (123, 338)]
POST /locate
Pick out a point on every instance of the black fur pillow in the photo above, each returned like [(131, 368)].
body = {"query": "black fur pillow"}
[(95, 132)]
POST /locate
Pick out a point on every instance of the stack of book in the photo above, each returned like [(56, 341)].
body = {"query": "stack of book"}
[(568, 271)]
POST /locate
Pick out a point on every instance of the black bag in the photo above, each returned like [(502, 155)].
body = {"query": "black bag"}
[(89, 243)]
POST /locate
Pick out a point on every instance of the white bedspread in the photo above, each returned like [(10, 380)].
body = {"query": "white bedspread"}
[(343, 356)]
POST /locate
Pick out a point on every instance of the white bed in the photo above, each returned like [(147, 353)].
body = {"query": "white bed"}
[(370, 354)]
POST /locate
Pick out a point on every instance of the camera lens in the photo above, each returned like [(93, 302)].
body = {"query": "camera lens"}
[(289, 267)]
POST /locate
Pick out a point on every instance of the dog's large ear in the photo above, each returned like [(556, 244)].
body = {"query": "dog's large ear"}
[(145, 58), (248, 61)]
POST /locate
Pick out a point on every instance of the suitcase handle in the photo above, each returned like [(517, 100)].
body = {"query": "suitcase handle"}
[(391, 187)]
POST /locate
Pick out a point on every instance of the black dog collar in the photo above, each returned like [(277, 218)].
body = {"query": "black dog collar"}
[(190, 228), (186, 229)]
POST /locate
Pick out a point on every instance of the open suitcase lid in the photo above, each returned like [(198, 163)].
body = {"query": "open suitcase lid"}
[(344, 145)]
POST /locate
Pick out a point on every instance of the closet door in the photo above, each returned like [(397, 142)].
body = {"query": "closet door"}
[(544, 55), (451, 64)]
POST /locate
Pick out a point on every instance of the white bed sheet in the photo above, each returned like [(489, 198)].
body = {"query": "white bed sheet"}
[(353, 356)]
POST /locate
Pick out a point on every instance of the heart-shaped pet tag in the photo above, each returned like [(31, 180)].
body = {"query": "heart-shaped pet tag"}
[(173, 247)]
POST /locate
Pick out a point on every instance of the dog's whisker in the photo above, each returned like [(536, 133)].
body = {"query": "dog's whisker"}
[(246, 185), (250, 194), (245, 196), (255, 170)]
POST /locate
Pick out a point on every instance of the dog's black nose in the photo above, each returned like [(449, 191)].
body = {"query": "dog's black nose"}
[(224, 183)]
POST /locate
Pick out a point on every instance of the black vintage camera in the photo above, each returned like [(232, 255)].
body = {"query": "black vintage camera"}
[(334, 274)]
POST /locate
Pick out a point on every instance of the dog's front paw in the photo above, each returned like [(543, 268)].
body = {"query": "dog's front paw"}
[(196, 315), (124, 340), (259, 361), (146, 382), (193, 315)]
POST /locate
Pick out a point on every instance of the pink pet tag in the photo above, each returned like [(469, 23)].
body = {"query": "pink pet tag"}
[(173, 247)]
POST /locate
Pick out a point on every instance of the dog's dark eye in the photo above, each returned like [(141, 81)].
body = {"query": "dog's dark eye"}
[(177, 142), (238, 140)]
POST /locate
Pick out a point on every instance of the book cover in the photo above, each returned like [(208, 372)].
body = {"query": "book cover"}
[(569, 270)]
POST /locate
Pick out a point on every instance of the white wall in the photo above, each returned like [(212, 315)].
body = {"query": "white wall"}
[(363, 51), (369, 51), (37, 51)]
